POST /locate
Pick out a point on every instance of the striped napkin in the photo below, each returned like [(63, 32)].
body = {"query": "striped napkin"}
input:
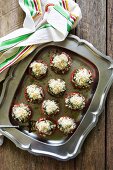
[(45, 21)]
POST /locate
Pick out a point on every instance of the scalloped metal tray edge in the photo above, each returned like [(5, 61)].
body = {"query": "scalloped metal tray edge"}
[(71, 148)]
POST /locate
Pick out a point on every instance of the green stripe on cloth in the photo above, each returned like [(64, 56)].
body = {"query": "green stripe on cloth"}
[(70, 23), (14, 40), (11, 58), (45, 26), (2, 51), (66, 15), (71, 20), (68, 28), (30, 5), (60, 2), (61, 11)]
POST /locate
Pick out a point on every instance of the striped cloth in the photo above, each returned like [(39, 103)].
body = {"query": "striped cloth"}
[(45, 21)]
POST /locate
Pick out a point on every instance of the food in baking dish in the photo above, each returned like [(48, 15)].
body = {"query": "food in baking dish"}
[(45, 126), (56, 87), (75, 101), (21, 112), (66, 124), (50, 107), (82, 78), (38, 69), (60, 63), (34, 93)]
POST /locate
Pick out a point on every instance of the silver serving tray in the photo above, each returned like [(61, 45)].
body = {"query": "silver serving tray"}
[(72, 146)]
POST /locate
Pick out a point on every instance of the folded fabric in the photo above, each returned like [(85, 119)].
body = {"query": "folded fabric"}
[(45, 21)]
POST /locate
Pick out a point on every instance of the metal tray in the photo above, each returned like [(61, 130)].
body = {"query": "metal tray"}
[(58, 146)]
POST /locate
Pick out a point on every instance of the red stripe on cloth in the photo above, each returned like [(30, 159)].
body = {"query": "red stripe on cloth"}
[(64, 4), (3, 68), (36, 5), (46, 8), (74, 18)]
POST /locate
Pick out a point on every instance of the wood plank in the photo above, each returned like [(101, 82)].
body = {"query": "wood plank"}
[(92, 27), (109, 116), (12, 158), (11, 16)]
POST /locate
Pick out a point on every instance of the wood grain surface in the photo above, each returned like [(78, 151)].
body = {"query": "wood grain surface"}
[(109, 107), (96, 26)]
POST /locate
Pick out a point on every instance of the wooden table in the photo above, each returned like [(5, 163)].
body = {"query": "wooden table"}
[(96, 26)]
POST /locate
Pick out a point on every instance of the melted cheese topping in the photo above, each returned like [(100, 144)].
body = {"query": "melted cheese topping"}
[(45, 127), (50, 106), (38, 68), (66, 124), (21, 112), (60, 61), (34, 92), (57, 86), (83, 77), (75, 101)]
